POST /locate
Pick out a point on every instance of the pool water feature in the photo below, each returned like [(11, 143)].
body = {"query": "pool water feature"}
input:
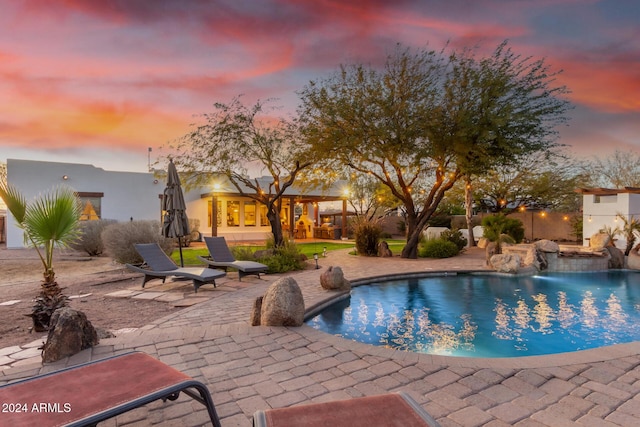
[(491, 315)]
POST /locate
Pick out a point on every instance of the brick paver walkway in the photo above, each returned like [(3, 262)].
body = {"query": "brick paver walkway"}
[(250, 368)]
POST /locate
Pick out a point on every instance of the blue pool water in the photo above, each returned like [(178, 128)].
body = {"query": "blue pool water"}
[(491, 315)]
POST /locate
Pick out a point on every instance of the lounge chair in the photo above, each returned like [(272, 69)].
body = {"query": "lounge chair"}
[(87, 394), (160, 266), (389, 410), (221, 257)]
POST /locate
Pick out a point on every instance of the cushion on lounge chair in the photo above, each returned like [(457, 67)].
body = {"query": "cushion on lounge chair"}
[(220, 256), (161, 266), (389, 410), (87, 394)]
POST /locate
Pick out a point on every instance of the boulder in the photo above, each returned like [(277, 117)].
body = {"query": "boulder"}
[(383, 250), (70, 332), (255, 312), (633, 260), (616, 257), (333, 279), (531, 259), (505, 263), (547, 246), (599, 241), (282, 304), (483, 242)]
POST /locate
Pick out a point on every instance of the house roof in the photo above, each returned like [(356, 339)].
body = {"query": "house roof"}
[(317, 194), (608, 191)]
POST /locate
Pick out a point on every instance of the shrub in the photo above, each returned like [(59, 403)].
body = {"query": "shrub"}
[(455, 237), (367, 236), (90, 240), (438, 248), (119, 239), (496, 225), (284, 258)]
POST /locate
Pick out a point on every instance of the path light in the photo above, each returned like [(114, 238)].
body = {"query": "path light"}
[(315, 257), (324, 251)]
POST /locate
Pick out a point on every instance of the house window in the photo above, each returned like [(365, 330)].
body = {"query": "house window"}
[(263, 216), (250, 214), (612, 198), (233, 213), (90, 206)]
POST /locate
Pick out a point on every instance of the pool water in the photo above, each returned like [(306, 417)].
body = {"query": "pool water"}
[(491, 315)]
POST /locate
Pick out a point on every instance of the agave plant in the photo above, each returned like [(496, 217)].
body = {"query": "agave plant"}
[(51, 220)]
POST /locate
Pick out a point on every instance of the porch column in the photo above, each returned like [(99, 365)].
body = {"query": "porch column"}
[(292, 216), (214, 216), (344, 218)]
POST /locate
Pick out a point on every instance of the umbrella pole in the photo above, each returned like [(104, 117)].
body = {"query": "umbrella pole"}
[(180, 247)]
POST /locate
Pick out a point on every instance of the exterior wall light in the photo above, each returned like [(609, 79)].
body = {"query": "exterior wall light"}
[(65, 177)]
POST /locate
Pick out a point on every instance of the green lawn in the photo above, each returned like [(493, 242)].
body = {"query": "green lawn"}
[(190, 254)]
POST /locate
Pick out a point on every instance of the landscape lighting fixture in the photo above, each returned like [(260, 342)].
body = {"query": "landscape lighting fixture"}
[(315, 257)]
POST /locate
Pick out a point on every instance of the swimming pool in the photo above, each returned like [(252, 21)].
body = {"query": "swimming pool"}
[(489, 315)]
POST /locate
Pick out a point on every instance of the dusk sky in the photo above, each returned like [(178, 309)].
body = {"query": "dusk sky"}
[(100, 81)]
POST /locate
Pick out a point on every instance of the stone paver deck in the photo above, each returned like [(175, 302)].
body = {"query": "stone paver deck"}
[(249, 368)]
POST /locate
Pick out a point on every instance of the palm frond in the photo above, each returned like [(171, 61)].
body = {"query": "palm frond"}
[(15, 201)]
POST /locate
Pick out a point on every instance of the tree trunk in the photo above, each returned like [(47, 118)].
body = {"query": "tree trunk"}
[(468, 202), (276, 227), (410, 250)]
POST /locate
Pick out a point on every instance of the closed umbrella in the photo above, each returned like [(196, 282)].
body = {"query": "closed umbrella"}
[(176, 223)]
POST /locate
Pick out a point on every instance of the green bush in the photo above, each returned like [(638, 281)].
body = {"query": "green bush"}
[(281, 259), (90, 240), (455, 237), (119, 239), (496, 225), (367, 236), (438, 248)]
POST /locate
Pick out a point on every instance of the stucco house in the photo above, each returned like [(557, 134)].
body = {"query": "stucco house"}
[(602, 207), (123, 196)]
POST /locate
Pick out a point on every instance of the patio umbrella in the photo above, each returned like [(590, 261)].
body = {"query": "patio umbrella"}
[(175, 223)]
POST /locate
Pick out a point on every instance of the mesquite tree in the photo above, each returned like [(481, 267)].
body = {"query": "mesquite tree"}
[(426, 119), (235, 137)]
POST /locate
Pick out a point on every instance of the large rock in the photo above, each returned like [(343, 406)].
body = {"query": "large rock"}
[(383, 250), (282, 304), (483, 242), (633, 260), (616, 257), (547, 246), (70, 332), (256, 312), (599, 241), (531, 258), (505, 263), (333, 279)]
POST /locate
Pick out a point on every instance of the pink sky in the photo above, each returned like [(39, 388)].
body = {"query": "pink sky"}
[(98, 82)]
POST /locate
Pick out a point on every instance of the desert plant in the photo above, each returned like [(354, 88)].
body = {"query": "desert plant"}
[(630, 230), (438, 248), (611, 233), (50, 221), (281, 259), (119, 239), (90, 240), (367, 236), (497, 225), (455, 237)]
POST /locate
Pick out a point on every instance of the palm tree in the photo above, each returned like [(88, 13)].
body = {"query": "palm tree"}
[(630, 230), (51, 220)]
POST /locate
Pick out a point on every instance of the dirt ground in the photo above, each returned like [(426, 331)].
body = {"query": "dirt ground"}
[(79, 275)]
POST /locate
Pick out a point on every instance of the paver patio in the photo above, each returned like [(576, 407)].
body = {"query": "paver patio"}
[(249, 368)]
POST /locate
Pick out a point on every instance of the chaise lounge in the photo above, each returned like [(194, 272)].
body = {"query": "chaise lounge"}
[(160, 266), (221, 257)]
